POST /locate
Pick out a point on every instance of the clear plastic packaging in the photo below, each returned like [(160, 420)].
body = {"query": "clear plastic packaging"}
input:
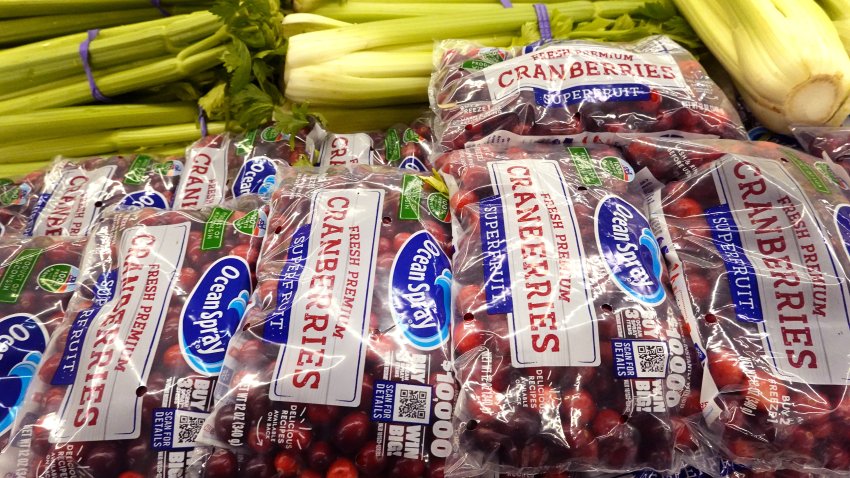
[(568, 346), (127, 381), (572, 87), (342, 366), (226, 166), (18, 197), (76, 192), (757, 238), (825, 142), (37, 277), (407, 148)]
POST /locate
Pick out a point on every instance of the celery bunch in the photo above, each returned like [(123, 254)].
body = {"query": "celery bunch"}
[(377, 53), (786, 56)]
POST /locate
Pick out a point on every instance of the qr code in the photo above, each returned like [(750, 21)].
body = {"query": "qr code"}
[(412, 404), (187, 430), (651, 359)]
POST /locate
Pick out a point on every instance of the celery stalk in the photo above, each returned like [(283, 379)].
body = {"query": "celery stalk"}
[(35, 28), (839, 13), (103, 142), (297, 23), (322, 85), (67, 122), (318, 47), (370, 12), (107, 50), (33, 8), (157, 73), (22, 169), (370, 64)]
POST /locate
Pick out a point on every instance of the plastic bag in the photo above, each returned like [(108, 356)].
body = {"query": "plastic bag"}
[(37, 277), (408, 148), (825, 142), (75, 193), (567, 345), (569, 87), (758, 242), (226, 166), (127, 382), (18, 197), (343, 363)]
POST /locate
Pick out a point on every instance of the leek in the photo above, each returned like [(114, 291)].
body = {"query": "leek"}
[(785, 56)]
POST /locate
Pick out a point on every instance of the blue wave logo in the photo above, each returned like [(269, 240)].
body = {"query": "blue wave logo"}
[(213, 312), (631, 251), (23, 340), (420, 291), (412, 163), (143, 199), (256, 176)]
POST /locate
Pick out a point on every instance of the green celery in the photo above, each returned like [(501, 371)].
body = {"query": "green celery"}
[(33, 8), (370, 64), (156, 73), (18, 72), (103, 142), (298, 23), (22, 169), (22, 30), (321, 85), (71, 121)]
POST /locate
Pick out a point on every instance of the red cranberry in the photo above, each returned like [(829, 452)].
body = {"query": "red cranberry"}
[(578, 409), (286, 464), (221, 464), (173, 357), (320, 455), (103, 459), (341, 468), (352, 432), (368, 461), (408, 468), (606, 421), (322, 415)]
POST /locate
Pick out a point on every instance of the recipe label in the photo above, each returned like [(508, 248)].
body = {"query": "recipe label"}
[(783, 273), (325, 299), (533, 266), (122, 339)]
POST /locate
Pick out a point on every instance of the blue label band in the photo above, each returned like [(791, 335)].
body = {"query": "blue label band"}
[(497, 275), (741, 275), (593, 94), (276, 328)]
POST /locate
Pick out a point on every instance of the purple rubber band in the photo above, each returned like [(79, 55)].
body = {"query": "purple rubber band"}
[(158, 5), (543, 23), (202, 120), (507, 4), (85, 56)]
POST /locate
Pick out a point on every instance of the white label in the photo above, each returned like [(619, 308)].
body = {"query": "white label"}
[(508, 137), (71, 207), (122, 339), (345, 149), (322, 361), (568, 74), (803, 305), (552, 320), (204, 179)]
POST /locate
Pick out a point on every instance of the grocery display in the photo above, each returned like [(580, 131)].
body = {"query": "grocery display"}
[(424, 238)]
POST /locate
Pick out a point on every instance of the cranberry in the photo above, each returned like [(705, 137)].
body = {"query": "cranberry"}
[(352, 432), (408, 468), (320, 455), (286, 464), (173, 357), (368, 461), (131, 474), (342, 468), (322, 415), (606, 421), (578, 409), (259, 467), (103, 459)]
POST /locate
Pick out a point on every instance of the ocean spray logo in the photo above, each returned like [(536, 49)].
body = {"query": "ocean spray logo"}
[(213, 312), (842, 222), (420, 291), (143, 199), (257, 176), (631, 251), (412, 163), (22, 343)]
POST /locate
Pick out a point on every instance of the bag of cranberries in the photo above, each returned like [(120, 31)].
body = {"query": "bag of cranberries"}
[(572, 87), (343, 363), (226, 166), (37, 277), (405, 147), (825, 142), (18, 197), (568, 347), (758, 242), (76, 192), (127, 382)]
